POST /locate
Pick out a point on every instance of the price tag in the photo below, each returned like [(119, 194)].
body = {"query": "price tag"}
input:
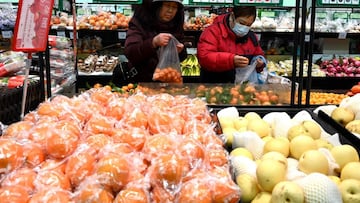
[(7, 34), (61, 33), (307, 38), (122, 35), (342, 35)]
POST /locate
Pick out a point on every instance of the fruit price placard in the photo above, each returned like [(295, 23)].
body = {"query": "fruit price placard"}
[(259, 2), (32, 25), (208, 2), (338, 3)]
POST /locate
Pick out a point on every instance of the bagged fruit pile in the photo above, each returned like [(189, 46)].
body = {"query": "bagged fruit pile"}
[(101, 147)]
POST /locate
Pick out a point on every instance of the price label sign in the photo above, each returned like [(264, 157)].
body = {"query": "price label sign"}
[(259, 2), (342, 35), (32, 25), (336, 3), (61, 33), (6, 34), (121, 35)]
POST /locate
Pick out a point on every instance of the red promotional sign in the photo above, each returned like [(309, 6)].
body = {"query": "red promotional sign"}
[(32, 25)]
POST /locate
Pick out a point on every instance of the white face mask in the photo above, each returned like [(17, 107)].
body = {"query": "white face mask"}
[(240, 30)]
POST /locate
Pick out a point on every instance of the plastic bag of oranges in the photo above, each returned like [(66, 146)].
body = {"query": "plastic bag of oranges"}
[(168, 69)]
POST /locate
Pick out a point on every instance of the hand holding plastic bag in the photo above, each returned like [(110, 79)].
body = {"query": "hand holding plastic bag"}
[(246, 74), (168, 69)]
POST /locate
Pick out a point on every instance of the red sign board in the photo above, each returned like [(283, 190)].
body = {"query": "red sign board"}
[(32, 25)]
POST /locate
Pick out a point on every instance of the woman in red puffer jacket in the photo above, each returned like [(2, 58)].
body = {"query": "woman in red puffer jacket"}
[(228, 44)]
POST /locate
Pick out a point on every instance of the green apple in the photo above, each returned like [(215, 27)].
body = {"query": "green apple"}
[(350, 190), (287, 192), (342, 115), (248, 187)]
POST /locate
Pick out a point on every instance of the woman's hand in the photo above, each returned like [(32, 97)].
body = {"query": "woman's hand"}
[(161, 39), (180, 47), (240, 61)]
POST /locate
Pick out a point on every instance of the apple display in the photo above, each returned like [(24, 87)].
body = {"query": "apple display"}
[(297, 130)]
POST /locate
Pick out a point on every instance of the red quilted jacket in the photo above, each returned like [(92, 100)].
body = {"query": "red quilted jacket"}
[(218, 44)]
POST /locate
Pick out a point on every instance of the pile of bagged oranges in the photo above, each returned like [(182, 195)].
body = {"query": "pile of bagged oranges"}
[(102, 147)]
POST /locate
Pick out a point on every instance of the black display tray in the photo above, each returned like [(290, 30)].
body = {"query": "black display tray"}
[(345, 134)]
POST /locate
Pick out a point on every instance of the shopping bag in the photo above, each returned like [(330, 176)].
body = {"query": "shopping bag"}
[(168, 68), (246, 74)]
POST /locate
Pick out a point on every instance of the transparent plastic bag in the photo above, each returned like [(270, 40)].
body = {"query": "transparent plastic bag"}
[(168, 69), (246, 74)]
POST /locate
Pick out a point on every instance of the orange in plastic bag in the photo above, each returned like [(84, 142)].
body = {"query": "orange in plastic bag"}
[(14, 194), (168, 69)]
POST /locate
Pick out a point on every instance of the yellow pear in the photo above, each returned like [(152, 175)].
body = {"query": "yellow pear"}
[(351, 171), (287, 192), (313, 128), (279, 144), (269, 173), (312, 161), (262, 197), (344, 154), (240, 123), (241, 151), (350, 190), (277, 156), (260, 127), (226, 122), (301, 144), (229, 135), (342, 115), (297, 130), (248, 187), (322, 143), (267, 138), (252, 116)]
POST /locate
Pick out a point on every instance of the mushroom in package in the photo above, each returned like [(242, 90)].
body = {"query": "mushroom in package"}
[(168, 69)]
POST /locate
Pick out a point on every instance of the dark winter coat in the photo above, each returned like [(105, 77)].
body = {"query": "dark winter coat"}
[(217, 47), (138, 44)]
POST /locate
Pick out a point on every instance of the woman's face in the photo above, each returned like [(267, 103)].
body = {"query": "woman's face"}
[(168, 11)]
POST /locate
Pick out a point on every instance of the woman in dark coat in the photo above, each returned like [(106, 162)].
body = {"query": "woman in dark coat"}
[(151, 27)]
